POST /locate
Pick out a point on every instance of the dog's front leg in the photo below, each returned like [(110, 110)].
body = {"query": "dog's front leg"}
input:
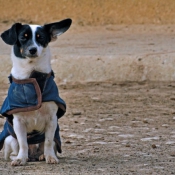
[(21, 133), (49, 152)]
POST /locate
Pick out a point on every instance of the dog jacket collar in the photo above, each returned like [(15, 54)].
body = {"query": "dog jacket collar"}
[(28, 95)]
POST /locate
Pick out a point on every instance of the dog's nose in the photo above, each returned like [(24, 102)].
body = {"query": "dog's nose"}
[(32, 50)]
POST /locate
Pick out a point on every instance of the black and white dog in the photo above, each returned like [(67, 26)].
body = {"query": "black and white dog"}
[(32, 85)]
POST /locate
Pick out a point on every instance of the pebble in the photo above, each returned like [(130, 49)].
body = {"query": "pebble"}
[(97, 99), (99, 130), (98, 142), (88, 129), (97, 125), (170, 143), (100, 170), (127, 145), (113, 133), (68, 142), (172, 154), (114, 128), (172, 98), (150, 139), (154, 146), (76, 113), (126, 135), (165, 125), (145, 121), (76, 136), (106, 119)]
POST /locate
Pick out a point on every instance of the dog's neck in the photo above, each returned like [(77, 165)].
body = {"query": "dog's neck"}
[(22, 68)]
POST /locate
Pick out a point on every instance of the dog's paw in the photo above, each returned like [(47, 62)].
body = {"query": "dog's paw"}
[(19, 162), (51, 159), (13, 157), (41, 157)]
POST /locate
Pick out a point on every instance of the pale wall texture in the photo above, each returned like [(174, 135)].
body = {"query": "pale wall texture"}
[(108, 53)]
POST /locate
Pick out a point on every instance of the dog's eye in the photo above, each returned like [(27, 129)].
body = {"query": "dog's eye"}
[(24, 37), (38, 36)]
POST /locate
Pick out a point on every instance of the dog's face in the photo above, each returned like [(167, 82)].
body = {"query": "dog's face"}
[(30, 40)]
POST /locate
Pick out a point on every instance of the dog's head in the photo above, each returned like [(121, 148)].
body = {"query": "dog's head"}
[(30, 40)]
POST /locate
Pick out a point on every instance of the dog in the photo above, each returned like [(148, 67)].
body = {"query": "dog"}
[(32, 106)]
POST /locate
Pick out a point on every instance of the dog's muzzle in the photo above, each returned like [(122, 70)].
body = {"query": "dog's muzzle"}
[(32, 52)]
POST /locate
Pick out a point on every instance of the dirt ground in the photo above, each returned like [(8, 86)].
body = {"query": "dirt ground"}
[(113, 128), (121, 128)]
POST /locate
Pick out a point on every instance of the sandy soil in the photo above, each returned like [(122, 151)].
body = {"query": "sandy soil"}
[(121, 128)]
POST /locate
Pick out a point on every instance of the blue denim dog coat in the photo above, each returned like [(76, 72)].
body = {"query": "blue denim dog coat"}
[(27, 95)]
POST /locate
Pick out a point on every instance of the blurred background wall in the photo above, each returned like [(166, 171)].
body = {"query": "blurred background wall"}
[(89, 12)]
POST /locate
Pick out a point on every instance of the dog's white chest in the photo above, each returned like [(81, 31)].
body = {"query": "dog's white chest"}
[(22, 68), (38, 119)]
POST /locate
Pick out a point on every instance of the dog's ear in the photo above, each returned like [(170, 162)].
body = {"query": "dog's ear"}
[(57, 28), (10, 35)]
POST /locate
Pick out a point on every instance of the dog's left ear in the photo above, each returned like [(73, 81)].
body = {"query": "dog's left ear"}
[(57, 28), (10, 35)]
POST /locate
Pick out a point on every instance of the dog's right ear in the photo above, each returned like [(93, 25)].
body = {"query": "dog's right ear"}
[(10, 35), (57, 28)]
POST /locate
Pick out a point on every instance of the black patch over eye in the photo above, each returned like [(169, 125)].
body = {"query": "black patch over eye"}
[(24, 37), (23, 41), (24, 34), (41, 37)]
